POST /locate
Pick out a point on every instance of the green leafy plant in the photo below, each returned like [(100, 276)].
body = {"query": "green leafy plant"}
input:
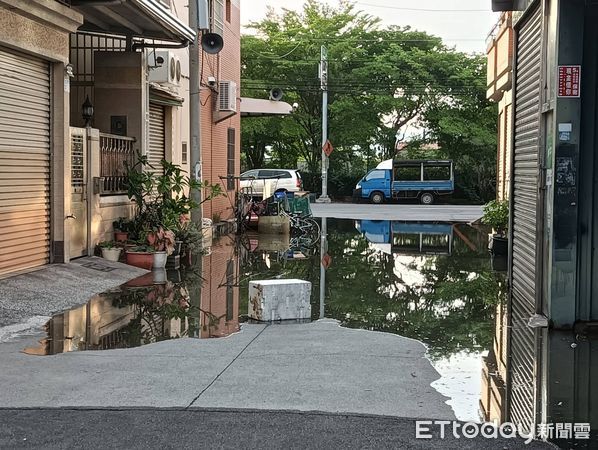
[(496, 215), (142, 248), (123, 225), (162, 240), (190, 235), (161, 199), (108, 244)]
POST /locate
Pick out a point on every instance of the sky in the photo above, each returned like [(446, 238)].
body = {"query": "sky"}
[(463, 24)]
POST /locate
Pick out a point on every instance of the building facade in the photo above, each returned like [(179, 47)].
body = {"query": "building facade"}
[(554, 207), (499, 85), (62, 176)]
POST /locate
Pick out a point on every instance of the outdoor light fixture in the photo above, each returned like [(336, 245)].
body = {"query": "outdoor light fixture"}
[(87, 111)]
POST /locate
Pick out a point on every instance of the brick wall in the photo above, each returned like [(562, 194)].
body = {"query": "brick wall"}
[(217, 318), (225, 66)]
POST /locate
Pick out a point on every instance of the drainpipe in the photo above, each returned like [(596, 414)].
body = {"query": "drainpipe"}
[(143, 45)]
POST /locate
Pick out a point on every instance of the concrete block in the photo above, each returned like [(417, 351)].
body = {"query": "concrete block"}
[(274, 225), (272, 300)]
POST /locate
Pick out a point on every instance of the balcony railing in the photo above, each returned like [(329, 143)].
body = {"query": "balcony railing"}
[(115, 152)]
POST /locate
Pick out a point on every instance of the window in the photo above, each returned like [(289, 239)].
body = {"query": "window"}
[(184, 155), (228, 10), (230, 167), (437, 173), (217, 16), (376, 175), (266, 174), (282, 174), (408, 173), (250, 175)]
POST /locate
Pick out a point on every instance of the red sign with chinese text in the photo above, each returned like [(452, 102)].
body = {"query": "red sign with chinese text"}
[(569, 81)]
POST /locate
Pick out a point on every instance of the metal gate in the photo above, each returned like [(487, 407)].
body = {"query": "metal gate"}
[(24, 162), (525, 189), (157, 138), (77, 218)]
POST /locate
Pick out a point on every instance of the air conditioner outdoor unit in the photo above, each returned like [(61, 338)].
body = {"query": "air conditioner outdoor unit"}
[(165, 67), (227, 99)]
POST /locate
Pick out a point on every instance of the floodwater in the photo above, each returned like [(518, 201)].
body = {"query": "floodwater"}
[(434, 282)]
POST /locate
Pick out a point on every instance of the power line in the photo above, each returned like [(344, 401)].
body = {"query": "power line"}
[(422, 9)]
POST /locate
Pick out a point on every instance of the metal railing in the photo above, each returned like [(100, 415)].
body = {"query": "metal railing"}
[(115, 152)]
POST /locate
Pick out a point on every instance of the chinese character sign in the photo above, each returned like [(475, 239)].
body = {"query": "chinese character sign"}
[(569, 81)]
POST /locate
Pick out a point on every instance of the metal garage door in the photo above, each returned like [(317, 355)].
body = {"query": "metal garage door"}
[(525, 177), (157, 141), (24, 162)]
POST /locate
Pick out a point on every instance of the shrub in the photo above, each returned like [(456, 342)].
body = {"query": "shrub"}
[(496, 215)]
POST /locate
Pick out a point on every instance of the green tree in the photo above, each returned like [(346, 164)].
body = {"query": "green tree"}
[(382, 80)]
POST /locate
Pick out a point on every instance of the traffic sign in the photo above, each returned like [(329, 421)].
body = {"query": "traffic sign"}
[(326, 261), (328, 148)]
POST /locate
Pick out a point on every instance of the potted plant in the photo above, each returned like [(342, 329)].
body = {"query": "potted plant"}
[(110, 250), (496, 215), (122, 229), (163, 243), (191, 238), (141, 256)]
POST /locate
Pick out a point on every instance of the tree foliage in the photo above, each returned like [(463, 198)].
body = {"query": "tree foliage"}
[(385, 84)]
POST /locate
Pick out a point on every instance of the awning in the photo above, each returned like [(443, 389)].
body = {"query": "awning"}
[(148, 19), (162, 96), (255, 107)]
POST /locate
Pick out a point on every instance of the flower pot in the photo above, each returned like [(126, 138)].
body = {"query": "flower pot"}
[(111, 254), (142, 281), (177, 248), (160, 260), (143, 260), (159, 276), (498, 245), (121, 236)]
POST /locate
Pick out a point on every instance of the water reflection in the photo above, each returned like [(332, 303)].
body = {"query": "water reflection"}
[(201, 301), (543, 379)]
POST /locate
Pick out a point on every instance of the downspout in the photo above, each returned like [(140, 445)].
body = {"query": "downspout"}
[(143, 45)]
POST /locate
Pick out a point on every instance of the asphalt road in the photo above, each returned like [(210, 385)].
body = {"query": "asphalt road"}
[(222, 429), (401, 212)]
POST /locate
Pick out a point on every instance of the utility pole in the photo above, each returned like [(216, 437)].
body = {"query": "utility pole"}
[(195, 110), (323, 268), (324, 86)]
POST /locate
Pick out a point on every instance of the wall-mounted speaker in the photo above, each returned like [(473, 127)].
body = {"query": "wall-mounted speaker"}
[(212, 43), (276, 94)]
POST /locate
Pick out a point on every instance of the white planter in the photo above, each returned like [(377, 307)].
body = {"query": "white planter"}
[(111, 254), (159, 276), (160, 260)]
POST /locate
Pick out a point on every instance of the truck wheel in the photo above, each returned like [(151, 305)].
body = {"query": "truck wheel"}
[(377, 198), (426, 198)]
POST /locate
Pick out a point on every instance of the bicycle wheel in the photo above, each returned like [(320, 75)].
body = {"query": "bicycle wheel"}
[(311, 229)]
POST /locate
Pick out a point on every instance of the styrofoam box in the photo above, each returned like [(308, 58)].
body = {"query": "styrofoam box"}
[(272, 300)]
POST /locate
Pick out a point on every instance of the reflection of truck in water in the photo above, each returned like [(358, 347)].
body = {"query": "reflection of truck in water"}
[(415, 179), (395, 237)]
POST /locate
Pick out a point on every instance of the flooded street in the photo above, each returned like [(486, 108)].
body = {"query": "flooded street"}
[(431, 282)]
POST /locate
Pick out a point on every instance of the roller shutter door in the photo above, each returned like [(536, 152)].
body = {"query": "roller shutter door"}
[(157, 141), (525, 177), (24, 162)]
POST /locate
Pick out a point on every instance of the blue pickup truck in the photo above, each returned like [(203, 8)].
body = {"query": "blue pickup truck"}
[(408, 238), (424, 180)]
